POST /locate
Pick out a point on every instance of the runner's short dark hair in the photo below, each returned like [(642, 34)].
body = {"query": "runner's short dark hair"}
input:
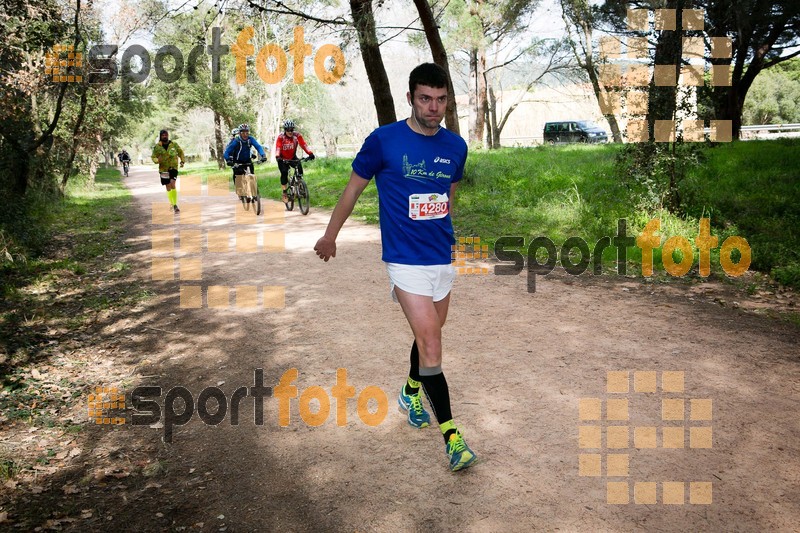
[(428, 74)]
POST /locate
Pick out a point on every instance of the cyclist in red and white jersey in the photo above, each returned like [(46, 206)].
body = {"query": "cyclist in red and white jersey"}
[(286, 150)]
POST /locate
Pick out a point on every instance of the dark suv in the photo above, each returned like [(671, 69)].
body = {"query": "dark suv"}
[(574, 131)]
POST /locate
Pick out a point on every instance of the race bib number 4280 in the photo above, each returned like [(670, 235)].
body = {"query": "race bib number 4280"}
[(428, 206)]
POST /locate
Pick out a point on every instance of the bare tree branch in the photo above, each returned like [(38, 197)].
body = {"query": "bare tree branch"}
[(283, 9)]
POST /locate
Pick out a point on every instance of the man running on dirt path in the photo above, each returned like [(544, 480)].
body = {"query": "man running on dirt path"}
[(166, 154), (417, 166)]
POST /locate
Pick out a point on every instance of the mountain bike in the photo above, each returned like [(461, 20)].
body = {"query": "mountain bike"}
[(125, 166), (247, 188), (297, 189)]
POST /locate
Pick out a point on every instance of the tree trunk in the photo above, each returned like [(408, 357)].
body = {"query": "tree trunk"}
[(93, 159), (23, 168), (75, 136), (329, 141), (440, 58), (603, 95), (92, 169), (662, 101), (364, 22), (729, 101), (489, 132), (494, 130), (477, 95), (218, 140), (575, 14)]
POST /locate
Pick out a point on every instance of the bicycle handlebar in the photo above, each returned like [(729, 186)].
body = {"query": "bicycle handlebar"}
[(240, 165), (293, 162)]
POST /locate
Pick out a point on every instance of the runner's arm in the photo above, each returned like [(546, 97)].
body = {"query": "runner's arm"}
[(453, 187), (326, 245)]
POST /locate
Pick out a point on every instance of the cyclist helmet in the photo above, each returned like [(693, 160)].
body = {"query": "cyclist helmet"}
[(288, 124), (235, 131), (244, 127)]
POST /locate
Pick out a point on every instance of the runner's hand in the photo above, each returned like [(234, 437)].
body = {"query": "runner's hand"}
[(325, 248), (181, 164)]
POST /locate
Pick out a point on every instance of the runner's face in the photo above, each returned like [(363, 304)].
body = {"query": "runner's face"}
[(164, 137), (429, 105)]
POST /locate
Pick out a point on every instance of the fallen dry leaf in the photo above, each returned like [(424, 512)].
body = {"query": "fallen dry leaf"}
[(70, 489)]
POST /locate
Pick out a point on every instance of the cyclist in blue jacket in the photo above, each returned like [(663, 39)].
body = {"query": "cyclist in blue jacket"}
[(238, 151)]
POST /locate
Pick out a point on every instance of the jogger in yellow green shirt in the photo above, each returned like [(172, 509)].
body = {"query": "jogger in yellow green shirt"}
[(166, 153)]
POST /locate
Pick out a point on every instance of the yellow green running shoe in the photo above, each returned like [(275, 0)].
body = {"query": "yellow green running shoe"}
[(418, 417), (461, 456)]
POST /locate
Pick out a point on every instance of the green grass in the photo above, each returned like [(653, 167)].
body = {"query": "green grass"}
[(754, 187), (531, 192), (79, 237), (326, 178), (750, 189)]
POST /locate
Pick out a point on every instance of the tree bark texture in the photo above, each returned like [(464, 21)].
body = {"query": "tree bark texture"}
[(75, 136), (364, 22), (477, 95), (440, 58), (220, 148)]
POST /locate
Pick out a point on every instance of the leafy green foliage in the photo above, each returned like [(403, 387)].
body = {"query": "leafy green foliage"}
[(753, 186), (652, 172), (774, 97)]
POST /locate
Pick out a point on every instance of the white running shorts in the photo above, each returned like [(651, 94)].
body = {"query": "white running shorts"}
[(427, 280)]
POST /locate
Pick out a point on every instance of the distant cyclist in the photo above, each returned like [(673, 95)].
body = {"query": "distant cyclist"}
[(125, 159), (286, 150), (234, 133), (238, 151)]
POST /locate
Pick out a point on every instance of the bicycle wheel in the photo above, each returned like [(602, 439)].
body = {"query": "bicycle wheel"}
[(252, 191), (302, 196), (290, 196)]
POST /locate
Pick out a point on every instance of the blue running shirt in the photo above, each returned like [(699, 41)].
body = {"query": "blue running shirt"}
[(413, 173)]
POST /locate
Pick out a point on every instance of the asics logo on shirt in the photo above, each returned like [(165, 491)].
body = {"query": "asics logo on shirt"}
[(441, 160)]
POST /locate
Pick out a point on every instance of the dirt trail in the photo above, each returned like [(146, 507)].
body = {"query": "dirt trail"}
[(517, 365)]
